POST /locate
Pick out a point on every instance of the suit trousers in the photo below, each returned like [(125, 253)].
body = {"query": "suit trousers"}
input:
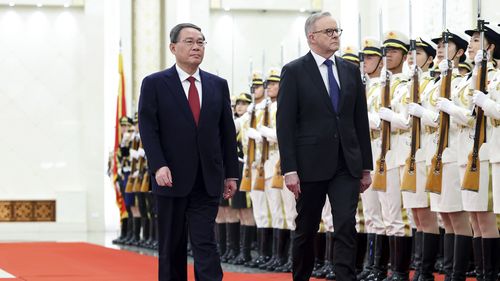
[(343, 192), (177, 216)]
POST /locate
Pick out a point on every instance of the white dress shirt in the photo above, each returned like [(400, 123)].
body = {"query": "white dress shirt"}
[(183, 76), (323, 69)]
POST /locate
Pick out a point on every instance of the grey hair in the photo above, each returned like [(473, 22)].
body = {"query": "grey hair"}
[(174, 33), (312, 19)]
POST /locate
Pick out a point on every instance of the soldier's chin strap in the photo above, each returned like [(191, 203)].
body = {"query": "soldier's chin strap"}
[(375, 68), (421, 66)]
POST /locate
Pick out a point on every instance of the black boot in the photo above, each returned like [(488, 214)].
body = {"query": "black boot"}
[(233, 242), (448, 250), (319, 250), (287, 267), (477, 252), (145, 232), (265, 236), (221, 238), (392, 257), (491, 262), (274, 255), (123, 232), (402, 258), (368, 263), (283, 246), (136, 232), (413, 247), (380, 259), (438, 266), (462, 252), (330, 271), (417, 254), (328, 264), (245, 246), (361, 240), (430, 247)]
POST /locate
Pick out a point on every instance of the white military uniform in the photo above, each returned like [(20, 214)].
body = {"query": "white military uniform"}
[(281, 201), (472, 201), (260, 208), (372, 210), (395, 217), (450, 198), (419, 198)]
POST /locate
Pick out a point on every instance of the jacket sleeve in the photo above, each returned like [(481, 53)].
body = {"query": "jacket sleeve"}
[(286, 118), (149, 126), (228, 130), (361, 124)]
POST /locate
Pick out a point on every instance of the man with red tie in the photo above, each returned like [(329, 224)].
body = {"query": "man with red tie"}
[(188, 134)]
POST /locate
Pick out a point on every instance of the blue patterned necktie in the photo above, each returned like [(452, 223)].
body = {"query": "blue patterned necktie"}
[(334, 86)]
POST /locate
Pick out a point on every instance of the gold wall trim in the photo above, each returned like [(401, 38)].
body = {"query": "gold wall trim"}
[(27, 211)]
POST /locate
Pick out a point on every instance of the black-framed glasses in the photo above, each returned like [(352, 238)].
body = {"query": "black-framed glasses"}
[(329, 31), (191, 42)]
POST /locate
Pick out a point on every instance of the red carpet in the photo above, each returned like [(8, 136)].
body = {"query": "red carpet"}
[(88, 262)]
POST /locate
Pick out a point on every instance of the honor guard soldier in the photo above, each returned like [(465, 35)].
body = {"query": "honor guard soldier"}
[(394, 150), (473, 158), (281, 201), (241, 201), (252, 146), (372, 212), (442, 178), (414, 176)]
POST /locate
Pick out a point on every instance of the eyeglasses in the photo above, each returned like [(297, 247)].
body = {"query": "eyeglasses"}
[(329, 31), (191, 42)]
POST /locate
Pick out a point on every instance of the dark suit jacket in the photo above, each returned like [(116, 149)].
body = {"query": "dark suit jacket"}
[(171, 138), (310, 133)]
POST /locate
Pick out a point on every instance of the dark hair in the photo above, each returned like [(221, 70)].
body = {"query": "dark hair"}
[(174, 33)]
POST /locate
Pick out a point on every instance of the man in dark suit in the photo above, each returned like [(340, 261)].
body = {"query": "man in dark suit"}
[(323, 136), (188, 134)]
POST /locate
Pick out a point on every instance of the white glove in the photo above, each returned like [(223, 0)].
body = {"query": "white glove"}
[(445, 105), (416, 109), (141, 152), (254, 134), (460, 115), (382, 74), (135, 174), (267, 132), (250, 108), (479, 98), (443, 66), (133, 154), (386, 114), (478, 58), (374, 121)]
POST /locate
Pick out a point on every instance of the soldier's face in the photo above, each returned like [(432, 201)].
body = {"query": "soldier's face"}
[(422, 58), (452, 50), (395, 58), (272, 89), (189, 50), (325, 43), (258, 91), (475, 45), (371, 63), (241, 107)]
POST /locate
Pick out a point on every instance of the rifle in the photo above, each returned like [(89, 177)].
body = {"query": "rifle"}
[(409, 182), (380, 175), (140, 169), (435, 174), (471, 177), (277, 181), (260, 181), (246, 181)]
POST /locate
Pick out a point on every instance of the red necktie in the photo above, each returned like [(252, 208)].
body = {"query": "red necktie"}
[(194, 99)]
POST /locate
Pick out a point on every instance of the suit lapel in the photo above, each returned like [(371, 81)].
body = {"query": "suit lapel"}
[(174, 84), (342, 78), (313, 71)]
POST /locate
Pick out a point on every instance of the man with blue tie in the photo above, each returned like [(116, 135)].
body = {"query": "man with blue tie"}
[(188, 134), (323, 132)]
